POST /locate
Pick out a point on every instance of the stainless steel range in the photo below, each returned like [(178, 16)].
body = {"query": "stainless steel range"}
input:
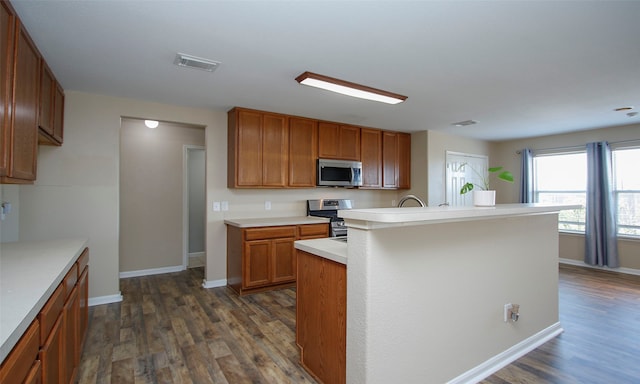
[(329, 208)]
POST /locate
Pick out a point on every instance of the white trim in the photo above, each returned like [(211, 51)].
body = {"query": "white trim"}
[(214, 283), (580, 263), (505, 358), (197, 254), (93, 301), (152, 271)]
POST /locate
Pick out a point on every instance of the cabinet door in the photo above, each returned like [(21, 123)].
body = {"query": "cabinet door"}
[(404, 160), (22, 161), (70, 331), (18, 365), (7, 31), (83, 315), (328, 141), (58, 114), (45, 118), (257, 267), (303, 152), (371, 157), (349, 143), (249, 149), (283, 265), (390, 160), (275, 150), (51, 354)]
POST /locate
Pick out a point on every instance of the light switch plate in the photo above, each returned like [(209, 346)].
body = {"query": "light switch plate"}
[(225, 205), (216, 206)]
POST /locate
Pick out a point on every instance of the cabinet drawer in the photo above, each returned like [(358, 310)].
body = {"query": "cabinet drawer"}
[(18, 365), (313, 230), (83, 261), (70, 280), (50, 313), (264, 233)]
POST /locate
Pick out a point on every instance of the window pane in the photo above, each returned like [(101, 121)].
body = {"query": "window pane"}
[(567, 172), (562, 179), (625, 163)]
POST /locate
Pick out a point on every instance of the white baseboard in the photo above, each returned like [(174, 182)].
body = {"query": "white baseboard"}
[(105, 299), (197, 254), (507, 357), (153, 271), (580, 263), (214, 283)]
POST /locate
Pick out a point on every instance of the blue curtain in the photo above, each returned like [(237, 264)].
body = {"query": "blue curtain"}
[(601, 246), (526, 176)]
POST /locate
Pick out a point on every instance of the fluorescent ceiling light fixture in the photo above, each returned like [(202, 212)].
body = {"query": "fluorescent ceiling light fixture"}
[(349, 88), (189, 61), (151, 123)]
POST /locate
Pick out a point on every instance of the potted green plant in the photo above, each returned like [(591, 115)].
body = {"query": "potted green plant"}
[(484, 196)]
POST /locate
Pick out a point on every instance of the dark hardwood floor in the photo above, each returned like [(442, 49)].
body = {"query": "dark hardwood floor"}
[(169, 329)]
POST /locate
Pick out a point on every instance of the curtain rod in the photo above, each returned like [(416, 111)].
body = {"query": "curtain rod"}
[(576, 147)]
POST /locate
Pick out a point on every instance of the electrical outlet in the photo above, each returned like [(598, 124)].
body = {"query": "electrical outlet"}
[(225, 205), (267, 205)]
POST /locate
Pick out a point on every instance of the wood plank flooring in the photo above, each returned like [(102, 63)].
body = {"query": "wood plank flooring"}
[(169, 329)]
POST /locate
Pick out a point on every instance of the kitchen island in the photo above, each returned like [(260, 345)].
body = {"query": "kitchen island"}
[(426, 290)]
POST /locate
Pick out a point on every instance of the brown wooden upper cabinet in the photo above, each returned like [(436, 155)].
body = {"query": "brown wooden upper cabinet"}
[(336, 141), (20, 92), (303, 152), (371, 157), (258, 149), (50, 119), (396, 158)]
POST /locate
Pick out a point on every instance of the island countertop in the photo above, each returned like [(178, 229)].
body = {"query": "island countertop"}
[(29, 274), (329, 248), (392, 217), (275, 221)]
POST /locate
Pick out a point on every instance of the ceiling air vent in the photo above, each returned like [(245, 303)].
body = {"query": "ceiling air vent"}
[(188, 61), (465, 123)]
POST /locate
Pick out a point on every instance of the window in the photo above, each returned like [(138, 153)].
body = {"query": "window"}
[(561, 178), (627, 190)]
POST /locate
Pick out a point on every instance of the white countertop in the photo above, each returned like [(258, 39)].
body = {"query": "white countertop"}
[(29, 273), (328, 248), (275, 221), (392, 217)]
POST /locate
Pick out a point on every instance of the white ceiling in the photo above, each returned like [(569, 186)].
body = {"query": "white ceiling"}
[(520, 68)]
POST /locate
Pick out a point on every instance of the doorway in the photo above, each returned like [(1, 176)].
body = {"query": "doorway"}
[(457, 176)]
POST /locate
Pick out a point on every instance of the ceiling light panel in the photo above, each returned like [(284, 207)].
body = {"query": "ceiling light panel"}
[(348, 88), (189, 61)]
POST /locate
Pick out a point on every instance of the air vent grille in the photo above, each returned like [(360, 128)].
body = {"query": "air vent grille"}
[(188, 61)]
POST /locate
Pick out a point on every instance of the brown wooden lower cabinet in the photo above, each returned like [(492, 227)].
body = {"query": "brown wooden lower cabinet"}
[(321, 313), (262, 258), (49, 351)]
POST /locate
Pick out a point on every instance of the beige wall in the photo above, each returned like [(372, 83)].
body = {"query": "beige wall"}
[(151, 193), (428, 159), (77, 191), (571, 246)]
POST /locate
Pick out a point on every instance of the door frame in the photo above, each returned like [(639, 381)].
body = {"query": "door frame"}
[(185, 202)]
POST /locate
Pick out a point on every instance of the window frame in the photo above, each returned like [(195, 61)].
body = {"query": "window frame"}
[(616, 192)]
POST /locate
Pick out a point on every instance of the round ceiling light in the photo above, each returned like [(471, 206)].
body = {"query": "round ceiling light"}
[(151, 123)]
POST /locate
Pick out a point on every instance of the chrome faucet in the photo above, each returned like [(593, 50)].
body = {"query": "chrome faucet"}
[(411, 197)]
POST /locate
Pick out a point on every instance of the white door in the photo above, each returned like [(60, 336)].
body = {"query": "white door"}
[(457, 175)]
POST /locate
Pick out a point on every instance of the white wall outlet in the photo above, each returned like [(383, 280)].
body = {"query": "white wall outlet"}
[(216, 206), (267, 205), (393, 203), (225, 205)]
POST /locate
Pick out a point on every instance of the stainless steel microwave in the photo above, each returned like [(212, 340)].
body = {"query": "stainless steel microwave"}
[(339, 173)]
